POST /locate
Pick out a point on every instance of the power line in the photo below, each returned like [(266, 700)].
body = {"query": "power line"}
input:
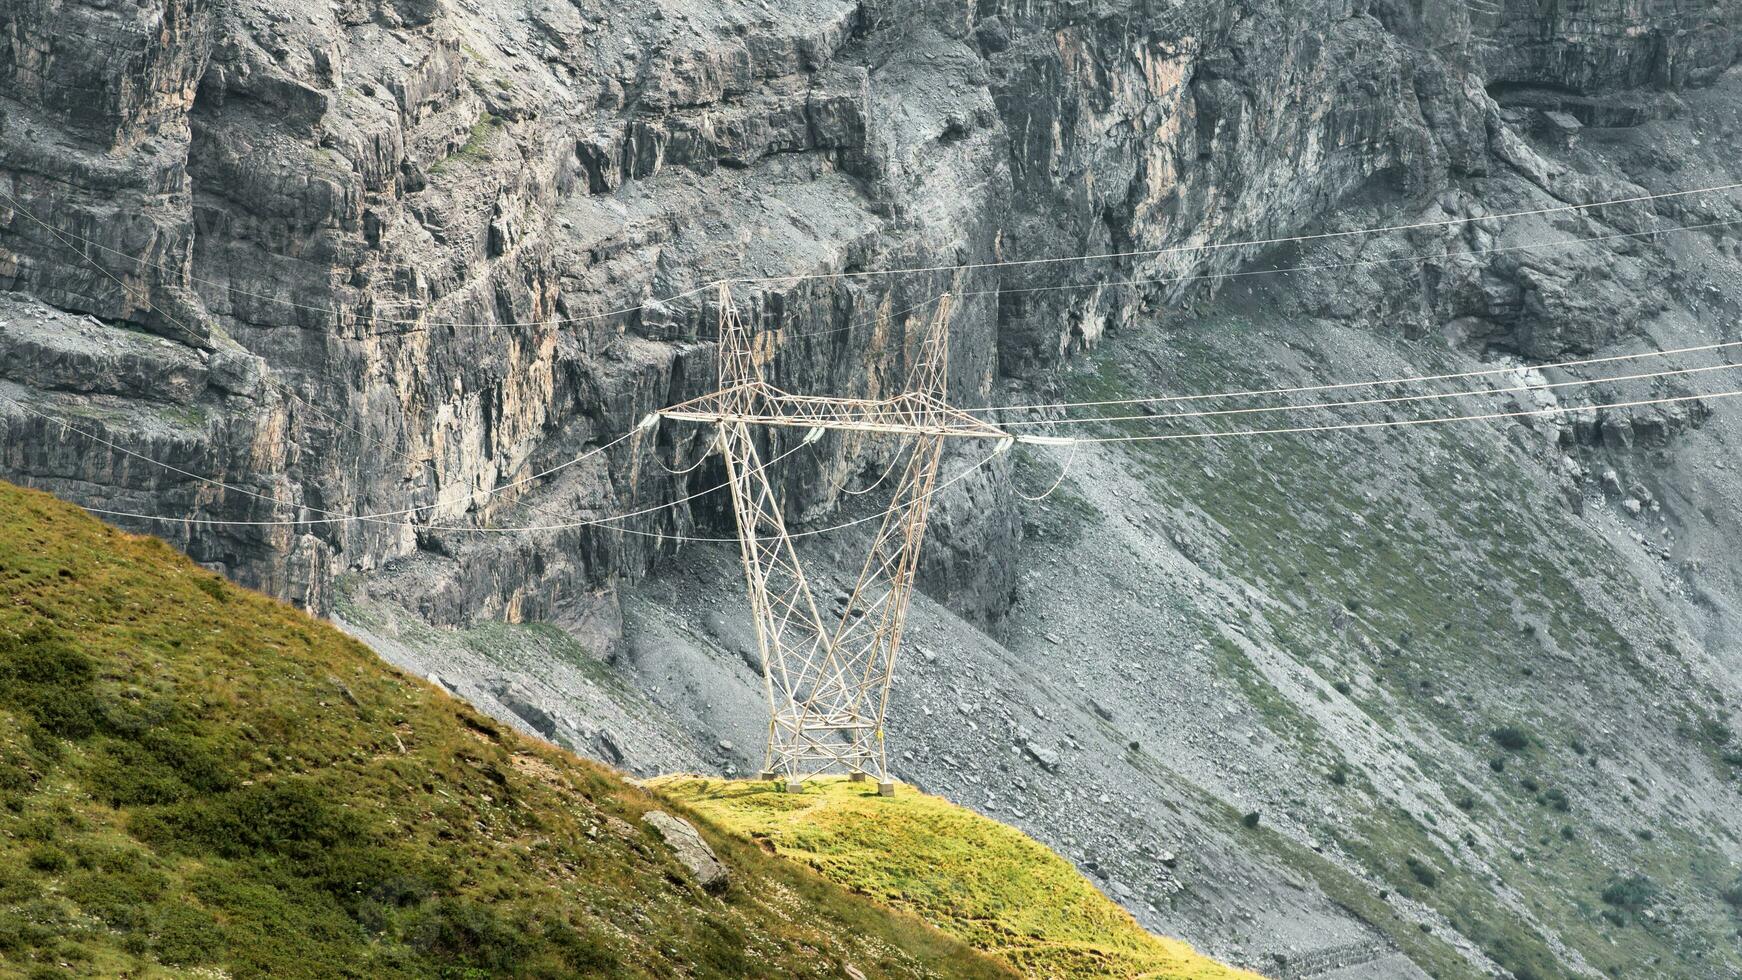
[(1477, 392), (328, 516), (1064, 471), (1246, 273), (1011, 263), (1391, 423), (682, 538), (1323, 267), (1250, 243), (1051, 441), (1342, 386), (1364, 263), (334, 517)]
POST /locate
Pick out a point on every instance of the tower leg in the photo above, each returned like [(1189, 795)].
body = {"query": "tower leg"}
[(793, 785), (886, 788)]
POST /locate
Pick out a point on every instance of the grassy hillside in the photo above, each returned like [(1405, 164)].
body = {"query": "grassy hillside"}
[(194, 778), (977, 879)]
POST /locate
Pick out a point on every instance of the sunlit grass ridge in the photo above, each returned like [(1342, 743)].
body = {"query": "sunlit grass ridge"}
[(975, 878)]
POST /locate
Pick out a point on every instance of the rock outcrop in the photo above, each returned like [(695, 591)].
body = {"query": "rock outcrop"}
[(403, 227), (690, 849)]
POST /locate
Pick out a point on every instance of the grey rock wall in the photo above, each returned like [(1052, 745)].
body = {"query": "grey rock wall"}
[(404, 215)]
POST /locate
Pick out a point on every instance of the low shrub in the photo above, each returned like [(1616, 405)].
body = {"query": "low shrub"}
[(1732, 896), (1511, 738), (1631, 893), (1422, 871), (46, 679), (1716, 732), (459, 931), (46, 859)]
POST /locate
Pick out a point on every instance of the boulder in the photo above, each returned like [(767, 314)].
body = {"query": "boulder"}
[(1048, 759), (691, 850)]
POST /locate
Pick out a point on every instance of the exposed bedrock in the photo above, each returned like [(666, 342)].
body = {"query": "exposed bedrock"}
[(383, 243)]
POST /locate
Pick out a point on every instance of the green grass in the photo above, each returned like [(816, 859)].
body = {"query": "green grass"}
[(194, 777), (976, 879)]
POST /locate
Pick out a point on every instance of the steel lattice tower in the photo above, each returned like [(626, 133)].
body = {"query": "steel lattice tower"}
[(827, 676)]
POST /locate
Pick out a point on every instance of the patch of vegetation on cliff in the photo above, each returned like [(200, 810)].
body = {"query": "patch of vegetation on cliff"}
[(194, 777), (476, 149), (979, 880)]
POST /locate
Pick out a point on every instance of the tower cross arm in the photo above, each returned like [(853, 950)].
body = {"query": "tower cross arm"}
[(906, 414)]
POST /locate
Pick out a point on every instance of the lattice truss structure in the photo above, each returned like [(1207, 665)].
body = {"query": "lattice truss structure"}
[(827, 676)]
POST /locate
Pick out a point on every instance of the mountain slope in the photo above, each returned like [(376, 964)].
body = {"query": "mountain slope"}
[(196, 775), (979, 880), (360, 259)]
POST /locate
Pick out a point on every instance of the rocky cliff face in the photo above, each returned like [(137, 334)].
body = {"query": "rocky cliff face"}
[(397, 227), (395, 258)]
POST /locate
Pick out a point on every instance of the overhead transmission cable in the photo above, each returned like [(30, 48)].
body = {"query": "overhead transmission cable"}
[(1345, 385), (1064, 471), (1387, 423), (333, 517), (1249, 243), (1365, 263), (328, 516), (1072, 441), (1470, 393), (63, 238), (1546, 246), (600, 522), (894, 461), (957, 268), (707, 451)]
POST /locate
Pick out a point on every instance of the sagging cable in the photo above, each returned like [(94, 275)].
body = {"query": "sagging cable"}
[(893, 463), (708, 448), (1063, 472)]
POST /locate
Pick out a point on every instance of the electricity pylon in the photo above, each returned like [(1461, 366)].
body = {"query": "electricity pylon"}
[(827, 676)]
